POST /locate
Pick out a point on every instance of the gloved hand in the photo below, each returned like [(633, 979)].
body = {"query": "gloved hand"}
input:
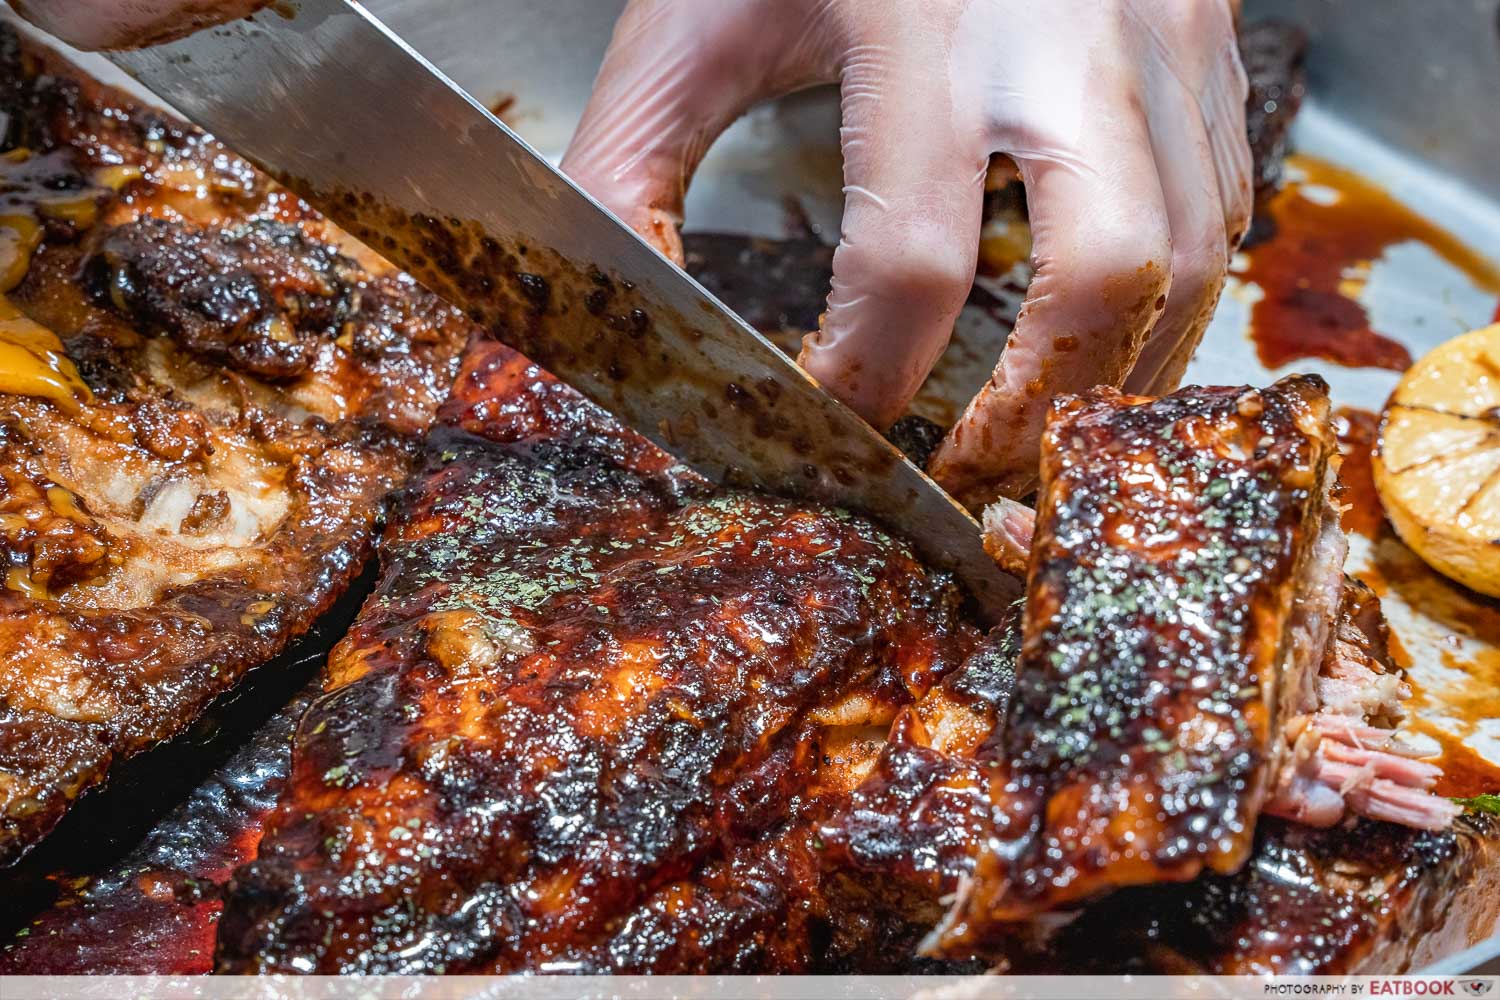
[(1124, 117), (128, 24)]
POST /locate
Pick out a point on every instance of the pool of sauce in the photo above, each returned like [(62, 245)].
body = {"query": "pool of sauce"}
[(1310, 269), (1357, 431), (1393, 569)]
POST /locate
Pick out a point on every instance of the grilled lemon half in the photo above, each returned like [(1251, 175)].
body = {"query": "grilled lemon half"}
[(1437, 464)]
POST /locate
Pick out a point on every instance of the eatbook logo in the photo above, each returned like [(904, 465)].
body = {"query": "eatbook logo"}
[(1476, 987)]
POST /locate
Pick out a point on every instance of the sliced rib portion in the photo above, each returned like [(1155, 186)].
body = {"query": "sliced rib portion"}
[(589, 699), (1185, 576), (1172, 623)]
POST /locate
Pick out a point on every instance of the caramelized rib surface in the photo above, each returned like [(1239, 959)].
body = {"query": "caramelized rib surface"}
[(576, 724), (1176, 539), (1172, 540)]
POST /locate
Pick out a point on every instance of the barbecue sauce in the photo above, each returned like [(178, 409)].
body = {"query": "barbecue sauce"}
[(1357, 432), (1311, 270)]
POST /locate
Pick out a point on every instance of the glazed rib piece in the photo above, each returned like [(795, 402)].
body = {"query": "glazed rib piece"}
[(591, 694), (1184, 579), (205, 393), (1186, 574), (1362, 897), (1176, 611), (1273, 54)]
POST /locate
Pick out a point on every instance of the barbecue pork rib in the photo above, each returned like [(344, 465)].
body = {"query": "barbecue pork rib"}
[(1273, 53), (1364, 896), (589, 700), (205, 392), (1186, 565), (1184, 579), (1172, 610)]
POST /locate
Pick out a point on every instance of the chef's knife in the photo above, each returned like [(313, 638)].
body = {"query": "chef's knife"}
[(327, 100)]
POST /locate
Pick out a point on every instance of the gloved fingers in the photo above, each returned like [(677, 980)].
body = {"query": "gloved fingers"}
[(1222, 106), (1196, 43), (1102, 259), (914, 169), (108, 24), (675, 75), (1200, 230)]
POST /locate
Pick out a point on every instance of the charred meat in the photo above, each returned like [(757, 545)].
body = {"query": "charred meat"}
[(1363, 896), (1178, 599), (600, 716), (586, 703), (1272, 53), (1186, 575), (1369, 898)]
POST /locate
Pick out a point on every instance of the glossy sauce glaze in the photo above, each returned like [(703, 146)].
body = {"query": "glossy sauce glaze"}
[(1328, 227), (1473, 644), (573, 727)]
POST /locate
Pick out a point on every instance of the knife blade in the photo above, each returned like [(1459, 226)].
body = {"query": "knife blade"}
[(336, 107)]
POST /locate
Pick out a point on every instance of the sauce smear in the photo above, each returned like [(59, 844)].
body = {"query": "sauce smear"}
[(1329, 227), (1357, 430)]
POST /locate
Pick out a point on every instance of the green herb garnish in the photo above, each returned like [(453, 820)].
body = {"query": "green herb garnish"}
[(1487, 803)]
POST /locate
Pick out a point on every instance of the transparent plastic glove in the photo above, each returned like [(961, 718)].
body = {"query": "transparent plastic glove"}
[(128, 24), (1124, 117)]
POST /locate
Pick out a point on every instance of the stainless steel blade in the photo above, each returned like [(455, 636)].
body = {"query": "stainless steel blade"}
[(342, 111)]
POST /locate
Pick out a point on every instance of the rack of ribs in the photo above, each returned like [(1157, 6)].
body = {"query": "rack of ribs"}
[(205, 392), (1373, 898), (599, 716), (589, 700)]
